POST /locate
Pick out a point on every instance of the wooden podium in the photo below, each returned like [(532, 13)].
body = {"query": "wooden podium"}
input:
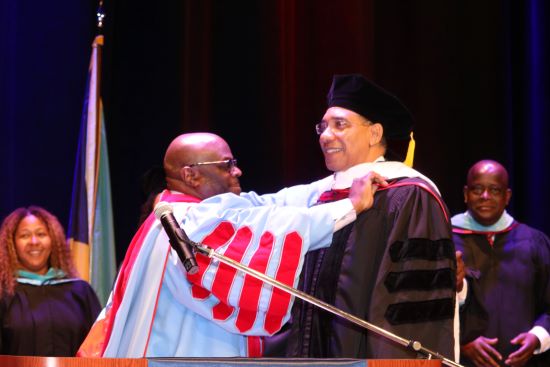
[(19, 361)]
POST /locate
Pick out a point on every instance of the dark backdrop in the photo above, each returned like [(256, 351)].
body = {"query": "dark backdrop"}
[(474, 74)]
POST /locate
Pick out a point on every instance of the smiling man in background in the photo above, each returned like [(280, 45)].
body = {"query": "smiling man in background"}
[(509, 267)]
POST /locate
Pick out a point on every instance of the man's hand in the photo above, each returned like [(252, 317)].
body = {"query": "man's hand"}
[(529, 343), (362, 191), (481, 352), (460, 271)]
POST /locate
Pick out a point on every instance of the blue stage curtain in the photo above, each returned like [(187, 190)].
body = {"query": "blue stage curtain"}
[(528, 109)]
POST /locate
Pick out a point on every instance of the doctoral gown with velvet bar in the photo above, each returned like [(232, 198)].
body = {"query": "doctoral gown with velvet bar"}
[(394, 267), (156, 309), (512, 284)]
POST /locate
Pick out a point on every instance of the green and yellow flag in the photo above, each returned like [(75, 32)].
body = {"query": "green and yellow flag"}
[(90, 231)]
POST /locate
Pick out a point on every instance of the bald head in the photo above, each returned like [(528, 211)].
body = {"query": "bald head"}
[(488, 167), (486, 193), (205, 180), (188, 149)]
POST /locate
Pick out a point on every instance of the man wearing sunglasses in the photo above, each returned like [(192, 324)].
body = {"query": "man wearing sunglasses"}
[(156, 309)]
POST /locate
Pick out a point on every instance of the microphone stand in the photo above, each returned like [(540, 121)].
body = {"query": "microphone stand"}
[(413, 345)]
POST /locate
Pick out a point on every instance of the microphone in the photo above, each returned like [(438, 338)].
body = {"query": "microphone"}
[(178, 239)]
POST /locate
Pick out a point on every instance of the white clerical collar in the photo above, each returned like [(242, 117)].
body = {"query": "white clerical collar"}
[(466, 220), (388, 169)]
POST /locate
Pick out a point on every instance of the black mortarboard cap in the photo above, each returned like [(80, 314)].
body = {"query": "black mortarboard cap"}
[(356, 93)]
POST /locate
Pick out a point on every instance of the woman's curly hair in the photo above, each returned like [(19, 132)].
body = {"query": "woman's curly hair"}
[(60, 256)]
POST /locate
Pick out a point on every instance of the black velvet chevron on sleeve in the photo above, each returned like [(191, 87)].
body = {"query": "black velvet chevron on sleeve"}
[(420, 248), (443, 277), (421, 280), (417, 312)]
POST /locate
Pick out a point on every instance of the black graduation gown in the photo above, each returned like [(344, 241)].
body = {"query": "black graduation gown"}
[(511, 282), (47, 320), (394, 267)]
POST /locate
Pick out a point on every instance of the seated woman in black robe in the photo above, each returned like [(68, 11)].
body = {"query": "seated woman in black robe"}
[(45, 310)]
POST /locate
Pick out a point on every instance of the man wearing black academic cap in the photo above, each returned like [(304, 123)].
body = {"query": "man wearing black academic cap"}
[(395, 266)]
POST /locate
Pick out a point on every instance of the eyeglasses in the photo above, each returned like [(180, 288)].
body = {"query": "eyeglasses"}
[(321, 127), (229, 163), (492, 190), (336, 125)]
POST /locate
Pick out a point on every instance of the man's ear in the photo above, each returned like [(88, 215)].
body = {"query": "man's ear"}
[(508, 195), (190, 176), (465, 192), (377, 131)]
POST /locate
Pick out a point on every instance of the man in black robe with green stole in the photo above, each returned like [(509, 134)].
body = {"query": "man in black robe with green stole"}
[(506, 318)]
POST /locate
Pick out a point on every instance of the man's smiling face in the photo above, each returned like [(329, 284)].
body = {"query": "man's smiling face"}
[(345, 141)]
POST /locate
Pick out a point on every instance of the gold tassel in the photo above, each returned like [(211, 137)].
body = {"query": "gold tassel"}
[(410, 152)]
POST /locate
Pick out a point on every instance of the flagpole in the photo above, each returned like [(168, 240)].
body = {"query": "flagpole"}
[(97, 46)]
